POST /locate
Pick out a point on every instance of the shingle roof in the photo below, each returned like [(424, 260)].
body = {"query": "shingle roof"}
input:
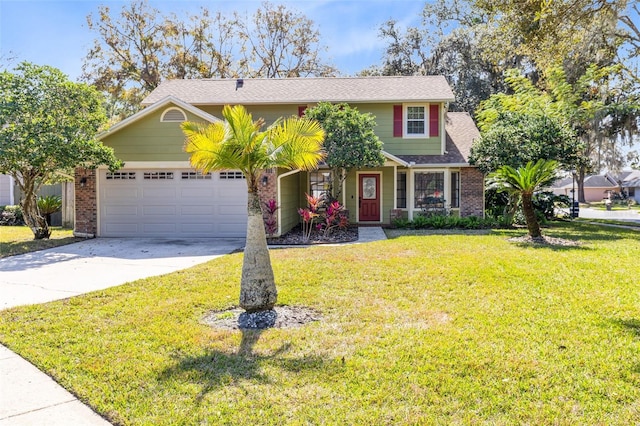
[(461, 132), (305, 90), (597, 181)]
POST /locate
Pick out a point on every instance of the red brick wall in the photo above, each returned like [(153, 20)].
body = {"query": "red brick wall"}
[(86, 215), (471, 192)]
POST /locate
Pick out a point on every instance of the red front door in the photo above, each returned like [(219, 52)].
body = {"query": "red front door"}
[(369, 200)]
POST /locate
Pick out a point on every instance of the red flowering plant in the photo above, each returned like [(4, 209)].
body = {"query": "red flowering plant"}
[(309, 215), (270, 224), (334, 217)]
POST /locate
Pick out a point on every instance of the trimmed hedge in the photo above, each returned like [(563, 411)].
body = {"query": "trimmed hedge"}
[(445, 222)]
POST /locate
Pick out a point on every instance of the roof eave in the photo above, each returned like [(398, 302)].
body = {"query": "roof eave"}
[(153, 108)]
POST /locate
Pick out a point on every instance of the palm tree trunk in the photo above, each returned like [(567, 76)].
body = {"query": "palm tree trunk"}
[(257, 287), (530, 216)]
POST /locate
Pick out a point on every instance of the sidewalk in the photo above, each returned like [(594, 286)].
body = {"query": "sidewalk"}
[(29, 396), (622, 215)]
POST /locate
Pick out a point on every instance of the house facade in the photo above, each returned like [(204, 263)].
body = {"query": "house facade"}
[(157, 193), (7, 194)]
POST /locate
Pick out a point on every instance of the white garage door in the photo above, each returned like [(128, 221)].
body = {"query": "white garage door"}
[(172, 203)]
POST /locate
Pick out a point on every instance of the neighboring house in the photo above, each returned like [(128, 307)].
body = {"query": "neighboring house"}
[(157, 193), (596, 187), (7, 196), (10, 194), (629, 181)]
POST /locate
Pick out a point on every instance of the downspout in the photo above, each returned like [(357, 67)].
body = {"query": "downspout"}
[(279, 196)]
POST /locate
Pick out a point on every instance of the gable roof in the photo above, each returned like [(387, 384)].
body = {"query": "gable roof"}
[(461, 132), (591, 181), (166, 101), (631, 179), (431, 88)]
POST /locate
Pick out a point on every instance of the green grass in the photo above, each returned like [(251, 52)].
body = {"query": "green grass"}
[(19, 240), (431, 329)]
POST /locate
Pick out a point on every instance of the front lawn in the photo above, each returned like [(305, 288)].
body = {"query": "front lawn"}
[(431, 329), (19, 240)]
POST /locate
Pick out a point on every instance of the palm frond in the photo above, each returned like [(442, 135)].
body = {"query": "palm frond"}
[(296, 143)]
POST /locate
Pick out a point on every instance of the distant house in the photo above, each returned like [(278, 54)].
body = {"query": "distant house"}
[(629, 181), (10, 195), (596, 187), (157, 193)]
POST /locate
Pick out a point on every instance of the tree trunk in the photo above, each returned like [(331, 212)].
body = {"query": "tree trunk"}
[(30, 212), (580, 183), (257, 287), (530, 216)]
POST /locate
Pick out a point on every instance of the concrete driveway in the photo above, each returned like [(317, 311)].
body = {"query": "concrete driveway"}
[(99, 263)]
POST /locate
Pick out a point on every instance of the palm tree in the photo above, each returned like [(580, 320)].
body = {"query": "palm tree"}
[(523, 182), (238, 143)]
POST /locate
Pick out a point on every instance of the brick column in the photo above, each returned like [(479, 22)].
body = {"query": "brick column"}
[(471, 192), (86, 203)]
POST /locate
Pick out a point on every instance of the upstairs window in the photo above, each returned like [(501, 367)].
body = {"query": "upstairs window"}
[(416, 122)]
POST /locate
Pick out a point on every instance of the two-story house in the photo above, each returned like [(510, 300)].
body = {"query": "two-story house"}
[(157, 193)]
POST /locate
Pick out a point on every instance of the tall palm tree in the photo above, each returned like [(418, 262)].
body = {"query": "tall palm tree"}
[(523, 182), (238, 143)]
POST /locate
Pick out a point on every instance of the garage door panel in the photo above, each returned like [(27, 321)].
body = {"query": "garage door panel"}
[(121, 229), (197, 193), (121, 210), (204, 211), (172, 207), (121, 192), (162, 193), (158, 210), (161, 228)]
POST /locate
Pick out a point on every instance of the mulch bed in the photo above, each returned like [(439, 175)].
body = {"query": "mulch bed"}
[(545, 241), (278, 317), (295, 237)]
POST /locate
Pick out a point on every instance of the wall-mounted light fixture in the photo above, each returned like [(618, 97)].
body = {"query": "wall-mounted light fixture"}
[(83, 181), (265, 180)]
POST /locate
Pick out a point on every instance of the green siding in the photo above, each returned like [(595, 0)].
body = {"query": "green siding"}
[(398, 146), (150, 140), (289, 191), (384, 126)]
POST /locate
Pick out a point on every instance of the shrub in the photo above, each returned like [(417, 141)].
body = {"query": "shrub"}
[(11, 216), (270, 224), (334, 216), (446, 222), (401, 223), (48, 205)]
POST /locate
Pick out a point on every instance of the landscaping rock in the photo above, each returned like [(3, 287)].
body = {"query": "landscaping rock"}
[(278, 317)]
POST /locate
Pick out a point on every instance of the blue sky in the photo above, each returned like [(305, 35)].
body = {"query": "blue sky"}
[(54, 32)]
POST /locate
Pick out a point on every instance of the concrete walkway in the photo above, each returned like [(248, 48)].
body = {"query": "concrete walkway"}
[(30, 397)]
